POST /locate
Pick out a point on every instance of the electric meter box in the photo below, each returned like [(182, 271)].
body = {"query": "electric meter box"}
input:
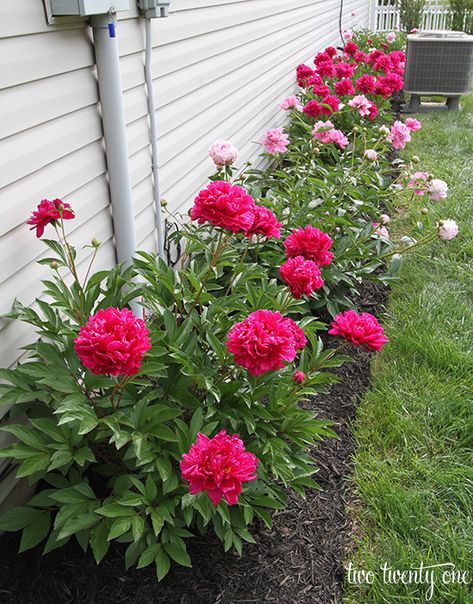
[(154, 8), (84, 8)]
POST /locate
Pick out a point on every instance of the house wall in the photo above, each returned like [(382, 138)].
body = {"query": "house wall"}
[(221, 67)]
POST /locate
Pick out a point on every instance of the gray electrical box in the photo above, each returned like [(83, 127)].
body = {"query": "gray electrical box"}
[(84, 8), (154, 8)]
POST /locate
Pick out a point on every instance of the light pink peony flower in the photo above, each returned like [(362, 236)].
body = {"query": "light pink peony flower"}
[(381, 230), (311, 243), (437, 189), (399, 135), (276, 141), (113, 342), (415, 30), (302, 276), (218, 465), (447, 230), (326, 133), (384, 219), (413, 124), (49, 212), (371, 154), (264, 341), (224, 205), (291, 102), (348, 35), (223, 153), (361, 103), (359, 329), (418, 182), (391, 37)]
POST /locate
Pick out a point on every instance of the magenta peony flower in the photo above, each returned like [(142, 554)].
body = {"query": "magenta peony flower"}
[(399, 135), (224, 205), (365, 84), (359, 329), (304, 72), (48, 212), (373, 111), (311, 243), (437, 189), (218, 465), (265, 223), (371, 154), (291, 102), (321, 89), (326, 133), (264, 341), (223, 153), (344, 70), (313, 108), (344, 87), (447, 230), (418, 182), (351, 48), (361, 103), (275, 141), (301, 275), (113, 342), (298, 377), (413, 124), (333, 103)]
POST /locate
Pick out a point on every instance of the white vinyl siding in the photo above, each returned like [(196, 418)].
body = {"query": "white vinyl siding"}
[(221, 67)]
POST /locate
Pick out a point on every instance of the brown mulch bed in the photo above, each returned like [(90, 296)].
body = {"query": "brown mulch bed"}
[(299, 561)]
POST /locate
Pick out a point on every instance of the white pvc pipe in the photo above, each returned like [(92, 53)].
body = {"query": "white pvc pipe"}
[(114, 131), (154, 138)]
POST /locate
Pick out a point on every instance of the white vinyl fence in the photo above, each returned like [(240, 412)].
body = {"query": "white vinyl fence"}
[(385, 16)]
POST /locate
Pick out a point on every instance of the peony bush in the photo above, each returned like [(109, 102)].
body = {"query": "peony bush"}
[(157, 404)]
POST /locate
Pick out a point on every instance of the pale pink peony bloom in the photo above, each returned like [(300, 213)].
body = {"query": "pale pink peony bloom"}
[(391, 37), (399, 135), (223, 153), (413, 124), (371, 154), (361, 103), (291, 102), (447, 230), (418, 182), (380, 230), (218, 465), (415, 30), (276, 141), (437, 189), (384, 219), (326, 133), (348, 35)]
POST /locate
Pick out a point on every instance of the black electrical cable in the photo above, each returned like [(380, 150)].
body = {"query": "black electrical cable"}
[(340, 16)]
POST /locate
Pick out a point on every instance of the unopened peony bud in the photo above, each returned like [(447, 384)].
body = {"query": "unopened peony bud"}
[(384, 129), (60, 207), (371, 154), (447, 230), (415, 159), (384, 219), (316, 151), (298, 377), (164, 203), (223, 153), (96, 243), (356, 129), (424, 211), (54, 265)]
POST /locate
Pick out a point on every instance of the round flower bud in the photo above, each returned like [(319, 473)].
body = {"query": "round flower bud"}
[(54, 265), (415, 159), (424, 211), (164, 203), (96, 243), (298, 377)]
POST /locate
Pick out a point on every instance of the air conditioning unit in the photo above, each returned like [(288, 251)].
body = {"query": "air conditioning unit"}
[(438, 64)]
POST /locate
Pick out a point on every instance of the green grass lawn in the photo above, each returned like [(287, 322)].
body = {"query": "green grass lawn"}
[(414, 463)]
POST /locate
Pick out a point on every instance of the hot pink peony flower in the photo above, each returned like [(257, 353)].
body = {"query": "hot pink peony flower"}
[(351, 48), (311, 243), (275, 141), (418, 182), (321, 89), (359, 329), (313, 108), (48, 212), (223, 153), (333, 103), (413, 124), (264, 223), (113, 342), (331, 51), (326, 133), (298, 377), (371, 154), (380, 230), (344, 70), (218, 465), (361, 103), (399, 135), (447, 230), (366, 84), (301, 275), (264, 341), (291, 102), (224, 205), (373, 109), (437, 189), (304, 72), (344, 87), (326, 69)]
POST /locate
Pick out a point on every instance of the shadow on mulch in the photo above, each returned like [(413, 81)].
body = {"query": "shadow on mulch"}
[(299, 561)]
